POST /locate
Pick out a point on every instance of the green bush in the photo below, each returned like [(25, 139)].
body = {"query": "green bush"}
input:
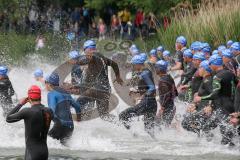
[(214, 23)]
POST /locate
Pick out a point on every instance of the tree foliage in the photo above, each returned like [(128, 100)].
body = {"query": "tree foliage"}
[(156, 6)]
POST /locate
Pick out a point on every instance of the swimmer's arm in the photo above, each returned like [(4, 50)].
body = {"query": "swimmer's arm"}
[(163, 93), (178, 66), (75, 105), (83, 61), (15, 115), (187, 77), (149, 83), (216, 88), (11, 90), (52, 103), (114, 66)]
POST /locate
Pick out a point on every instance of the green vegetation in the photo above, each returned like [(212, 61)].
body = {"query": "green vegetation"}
[(214, 23), (15, 47)]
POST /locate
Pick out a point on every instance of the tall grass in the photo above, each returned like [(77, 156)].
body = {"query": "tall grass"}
[(215, 23)]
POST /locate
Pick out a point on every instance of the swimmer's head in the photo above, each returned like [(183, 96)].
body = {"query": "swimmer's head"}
[(52, 81), (89, 48), (38, 74), (34, 94), (138, 62), (3, 71), (73, 57)]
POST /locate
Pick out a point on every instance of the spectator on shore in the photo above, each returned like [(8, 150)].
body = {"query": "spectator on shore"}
[(139, 18), (152, 24), (124, 17), (101, 29), (114, 26), (93, 30), (40, 42)]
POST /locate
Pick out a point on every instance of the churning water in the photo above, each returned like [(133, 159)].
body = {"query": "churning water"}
[(97, 139)]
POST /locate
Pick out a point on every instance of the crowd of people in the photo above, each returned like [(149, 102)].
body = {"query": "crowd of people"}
[(209, 84), (82, 22)]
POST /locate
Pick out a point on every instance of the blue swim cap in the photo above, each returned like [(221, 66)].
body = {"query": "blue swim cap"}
[(38, 73), (160, 48), (89, 44), (205, 65), (216, 60), (188, 53), (3, 71), (134, 51), (138, 59), (161, 65), (229, 43), (70, 36), (153, 52), (74, 55), (144, 56), (215, 52), (133, 46), (166, 53), (235, 46), (199, 56), (182, 40), (206, 48), (227, 53), (196, 46), (221, 48), (53, 79)]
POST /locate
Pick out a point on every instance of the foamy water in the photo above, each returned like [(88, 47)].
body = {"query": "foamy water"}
[(100, 136)]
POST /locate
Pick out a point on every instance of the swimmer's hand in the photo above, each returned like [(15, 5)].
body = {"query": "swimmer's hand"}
[(234, 121), (23, 101), (118, 80), (197, 99), (208, 110), (191, 108), (182, 88)]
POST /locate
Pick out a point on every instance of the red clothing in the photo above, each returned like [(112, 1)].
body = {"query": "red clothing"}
[(139, 18)]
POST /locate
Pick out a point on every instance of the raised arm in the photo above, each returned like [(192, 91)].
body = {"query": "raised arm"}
[(113, 64), (15, 115)]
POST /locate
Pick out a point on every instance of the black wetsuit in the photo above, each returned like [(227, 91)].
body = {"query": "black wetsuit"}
[(148, 104), (199, 121), (237, 98), (232, 66), (6, 93), (189, 71), (95, 84), (167, 93), (222, 98), (196, 83), (179, 58), (186, 78), (76, 75), (37, 121), (237, 59)]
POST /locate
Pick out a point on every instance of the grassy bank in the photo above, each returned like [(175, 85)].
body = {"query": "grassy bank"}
[(15, 47), (215, 23)]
